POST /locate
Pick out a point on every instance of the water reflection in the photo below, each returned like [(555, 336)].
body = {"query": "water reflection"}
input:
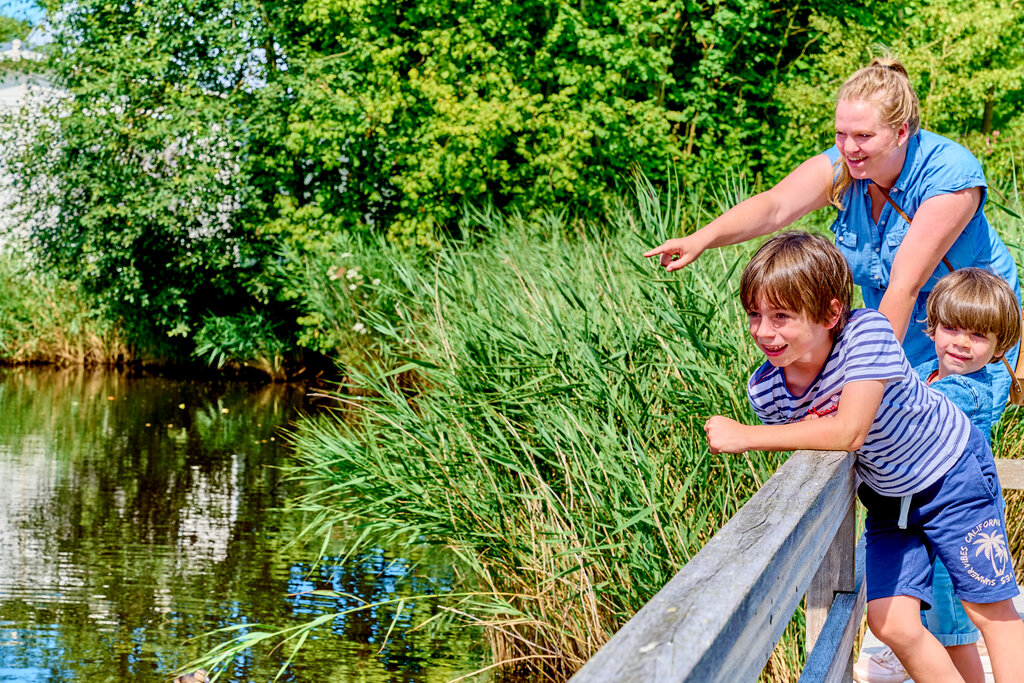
[(137, 513)]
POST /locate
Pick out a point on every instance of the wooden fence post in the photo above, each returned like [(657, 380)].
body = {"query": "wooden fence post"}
[(835, 575)]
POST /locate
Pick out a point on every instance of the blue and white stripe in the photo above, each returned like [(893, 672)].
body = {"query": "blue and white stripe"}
[(917, 434)]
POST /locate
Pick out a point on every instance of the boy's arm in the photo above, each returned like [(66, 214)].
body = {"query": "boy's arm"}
[(845, 431)]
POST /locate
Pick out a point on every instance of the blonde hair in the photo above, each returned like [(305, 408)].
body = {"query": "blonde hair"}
[(885, 84), (802, 273), (975, 299)]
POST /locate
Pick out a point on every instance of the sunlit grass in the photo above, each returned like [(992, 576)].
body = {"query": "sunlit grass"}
[(534, 405), (44, 320)]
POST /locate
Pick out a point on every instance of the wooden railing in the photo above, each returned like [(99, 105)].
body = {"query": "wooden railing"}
[(720, 617)]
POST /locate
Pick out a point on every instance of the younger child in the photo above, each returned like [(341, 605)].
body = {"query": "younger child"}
[(930, 486), (973, 319)]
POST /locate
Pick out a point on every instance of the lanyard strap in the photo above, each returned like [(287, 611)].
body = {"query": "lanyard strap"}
[(907, 219)]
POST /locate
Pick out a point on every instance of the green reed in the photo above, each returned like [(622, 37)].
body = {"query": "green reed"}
[(534, 405), (43, 319), (537, 408)]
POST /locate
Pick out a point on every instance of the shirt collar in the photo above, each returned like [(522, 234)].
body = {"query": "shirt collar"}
[(910, 163), (909, 166)]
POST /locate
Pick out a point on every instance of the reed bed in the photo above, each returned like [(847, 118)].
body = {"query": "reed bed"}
[(533, 406), (537, 409), (44, 320)]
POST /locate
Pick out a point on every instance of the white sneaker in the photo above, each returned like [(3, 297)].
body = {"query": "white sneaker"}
[(881, 667)]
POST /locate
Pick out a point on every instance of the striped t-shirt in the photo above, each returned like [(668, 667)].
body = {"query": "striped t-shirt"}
[(917, 435)]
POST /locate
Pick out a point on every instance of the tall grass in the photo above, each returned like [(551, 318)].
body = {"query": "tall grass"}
[(44, 320), (537, 408), (534, 404), (1005, 209)]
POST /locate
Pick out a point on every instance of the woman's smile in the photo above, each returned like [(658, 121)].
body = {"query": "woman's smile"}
[(868, 146)]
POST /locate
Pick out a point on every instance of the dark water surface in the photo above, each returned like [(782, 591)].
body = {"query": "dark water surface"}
[(138, 513)]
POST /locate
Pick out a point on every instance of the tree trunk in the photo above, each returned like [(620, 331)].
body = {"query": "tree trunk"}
[(986, 117)]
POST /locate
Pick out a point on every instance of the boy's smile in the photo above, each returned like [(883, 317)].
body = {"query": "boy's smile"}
[(961, 351), (792, 341)]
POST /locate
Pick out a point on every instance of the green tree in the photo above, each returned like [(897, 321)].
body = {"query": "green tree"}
[(137, 176), (11, 28), (198, 142), (966, 66), (417, 108)]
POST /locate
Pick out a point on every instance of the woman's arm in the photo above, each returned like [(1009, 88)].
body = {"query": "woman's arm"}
[(799, 193), (936, 225), (845, 431)]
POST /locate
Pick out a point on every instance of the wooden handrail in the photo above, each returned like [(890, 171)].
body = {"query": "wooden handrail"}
[(720, 616)]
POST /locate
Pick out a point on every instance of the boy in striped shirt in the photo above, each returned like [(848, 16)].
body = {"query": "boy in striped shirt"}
[(912, 444)]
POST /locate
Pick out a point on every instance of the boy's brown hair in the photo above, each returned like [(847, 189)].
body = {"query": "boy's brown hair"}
[(802, 273), (975, 299)]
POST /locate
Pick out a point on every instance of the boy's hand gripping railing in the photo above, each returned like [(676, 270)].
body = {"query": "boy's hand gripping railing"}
[(720, 617)]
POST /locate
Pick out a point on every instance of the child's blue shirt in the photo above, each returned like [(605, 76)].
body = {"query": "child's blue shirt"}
[(970, 393)]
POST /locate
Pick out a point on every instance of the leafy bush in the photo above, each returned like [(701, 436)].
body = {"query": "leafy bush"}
[(248, 339), (333, 288), (185, 150)]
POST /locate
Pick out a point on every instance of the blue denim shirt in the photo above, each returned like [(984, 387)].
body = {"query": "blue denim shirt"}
[(934, 165), (970, 393)]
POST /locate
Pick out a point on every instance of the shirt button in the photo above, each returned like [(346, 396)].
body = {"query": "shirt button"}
[(877, 250)]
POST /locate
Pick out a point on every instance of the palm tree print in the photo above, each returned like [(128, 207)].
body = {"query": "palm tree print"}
[(994, 548)]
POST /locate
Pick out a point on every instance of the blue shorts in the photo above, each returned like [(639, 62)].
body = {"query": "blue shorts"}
[(957, 519), (947, 620)]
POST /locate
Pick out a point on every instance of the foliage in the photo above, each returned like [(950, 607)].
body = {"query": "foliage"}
[(134, 177), (11, 28), (527, 105), (199, 159), (334, 286), (967, 69), (250, 338), (44, 319), (536, 405), (191, 146)]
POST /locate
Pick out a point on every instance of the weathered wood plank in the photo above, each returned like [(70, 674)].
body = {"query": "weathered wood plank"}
[(1011, 473), (834, 575), (719, 618), (831, 660)]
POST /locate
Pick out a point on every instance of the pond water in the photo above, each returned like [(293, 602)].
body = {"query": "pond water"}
[(139, 513)]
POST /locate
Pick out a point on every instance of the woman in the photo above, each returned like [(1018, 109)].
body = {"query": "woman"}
[(910, 208), (880, 155)]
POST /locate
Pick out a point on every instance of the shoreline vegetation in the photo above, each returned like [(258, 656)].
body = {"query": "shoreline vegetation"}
[(530, 403), (439, 208)]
